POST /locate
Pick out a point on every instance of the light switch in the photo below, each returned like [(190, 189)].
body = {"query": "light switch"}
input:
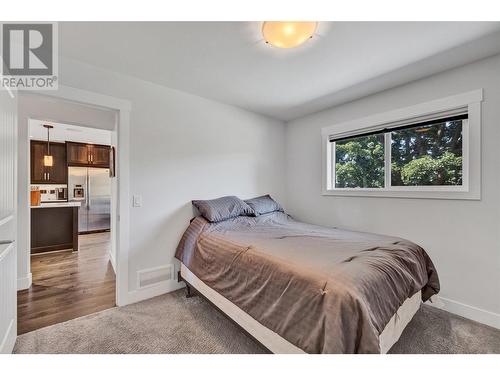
[(137, 201)]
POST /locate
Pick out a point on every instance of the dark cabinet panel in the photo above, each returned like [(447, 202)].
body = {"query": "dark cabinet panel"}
[(87, 155), (77, 153), (99, 155), (58, 173), (40, 174), (54, 228)]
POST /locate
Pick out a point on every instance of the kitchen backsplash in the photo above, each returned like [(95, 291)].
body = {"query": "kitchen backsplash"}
[(52, 192)]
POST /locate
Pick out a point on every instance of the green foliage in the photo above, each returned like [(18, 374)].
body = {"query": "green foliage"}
[(426, 155), (360, 162), (445, 170)]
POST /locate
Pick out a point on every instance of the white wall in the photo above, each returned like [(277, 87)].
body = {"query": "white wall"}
[(462, 237), (8, 212), (184, 147), (8, 140)]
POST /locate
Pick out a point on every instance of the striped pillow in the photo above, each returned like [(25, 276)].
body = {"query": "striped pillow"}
[(223, 208)]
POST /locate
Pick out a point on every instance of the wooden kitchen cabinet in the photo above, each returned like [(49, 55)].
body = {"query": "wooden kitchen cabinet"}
[(58, 173), (54, 228), (78, 154), (99, 155), (87, 155), (38, 171), (40, 174)]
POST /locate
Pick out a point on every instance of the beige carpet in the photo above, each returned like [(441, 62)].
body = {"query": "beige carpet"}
[(173, 324)]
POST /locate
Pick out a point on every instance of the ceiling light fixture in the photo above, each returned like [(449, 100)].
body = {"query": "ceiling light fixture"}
[(287, 34)]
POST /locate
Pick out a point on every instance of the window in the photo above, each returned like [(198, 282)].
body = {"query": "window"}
[(426, 156), (359, 162), (422, 154)]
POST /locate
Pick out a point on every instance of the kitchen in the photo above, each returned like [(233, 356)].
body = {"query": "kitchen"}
[(71, 168)]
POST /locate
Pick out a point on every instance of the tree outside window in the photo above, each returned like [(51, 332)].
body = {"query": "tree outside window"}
[(429, 155), (359, 162)]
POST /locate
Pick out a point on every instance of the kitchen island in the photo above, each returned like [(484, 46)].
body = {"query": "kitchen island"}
[(54, 226)]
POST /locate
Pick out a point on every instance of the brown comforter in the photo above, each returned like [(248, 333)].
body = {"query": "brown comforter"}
[(325, 290)]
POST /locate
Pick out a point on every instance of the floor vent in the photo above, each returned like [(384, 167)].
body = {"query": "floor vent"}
[(153, 276)]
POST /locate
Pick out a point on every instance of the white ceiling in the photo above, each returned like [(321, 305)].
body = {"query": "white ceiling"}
[(66, 132), (229, 62)]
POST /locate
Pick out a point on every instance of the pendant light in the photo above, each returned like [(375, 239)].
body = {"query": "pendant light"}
[(48, 161), (288, 34)]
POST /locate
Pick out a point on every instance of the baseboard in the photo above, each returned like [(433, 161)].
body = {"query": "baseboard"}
[(113, 261), (470, 312), (152, 291), (24, 282), (9, 340), (47, 249)]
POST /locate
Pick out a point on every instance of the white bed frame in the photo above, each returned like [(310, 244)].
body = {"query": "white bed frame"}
[(277, 344)]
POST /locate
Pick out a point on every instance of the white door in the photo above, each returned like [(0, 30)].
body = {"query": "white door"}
[(8, 214)]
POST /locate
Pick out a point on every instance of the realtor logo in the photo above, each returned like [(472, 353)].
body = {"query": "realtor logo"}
[(29, 54)]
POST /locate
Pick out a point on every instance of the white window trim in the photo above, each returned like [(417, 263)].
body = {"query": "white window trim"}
[(471, 150)]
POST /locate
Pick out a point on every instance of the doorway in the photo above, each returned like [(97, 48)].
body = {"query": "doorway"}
[(105, 251), (71, 259)]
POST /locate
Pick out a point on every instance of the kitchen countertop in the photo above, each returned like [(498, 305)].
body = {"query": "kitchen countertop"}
[(58, 204)]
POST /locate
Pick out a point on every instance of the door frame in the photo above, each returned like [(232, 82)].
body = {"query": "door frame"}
[(121, 217)]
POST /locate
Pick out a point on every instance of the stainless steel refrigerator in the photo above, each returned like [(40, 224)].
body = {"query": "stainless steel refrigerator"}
[(91, 187)]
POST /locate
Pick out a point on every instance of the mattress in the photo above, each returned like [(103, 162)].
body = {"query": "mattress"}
[(324, 290), (277, 344)]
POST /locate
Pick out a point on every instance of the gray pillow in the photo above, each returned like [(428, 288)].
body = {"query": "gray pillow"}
[(264, 204), (224, 208)]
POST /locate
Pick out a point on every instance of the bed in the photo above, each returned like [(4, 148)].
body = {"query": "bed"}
[(302, 288)]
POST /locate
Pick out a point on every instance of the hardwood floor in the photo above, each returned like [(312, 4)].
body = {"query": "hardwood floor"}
[(67, 285)]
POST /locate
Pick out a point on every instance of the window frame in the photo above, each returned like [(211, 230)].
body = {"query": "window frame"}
[(469, 102)]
